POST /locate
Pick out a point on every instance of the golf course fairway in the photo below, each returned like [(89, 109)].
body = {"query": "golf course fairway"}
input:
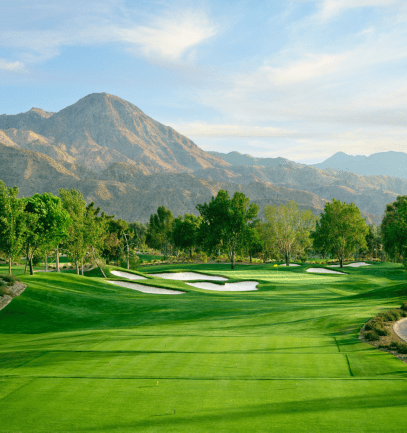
[(78, 354)]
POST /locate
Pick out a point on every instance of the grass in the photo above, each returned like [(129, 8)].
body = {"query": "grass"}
[(80, 354)]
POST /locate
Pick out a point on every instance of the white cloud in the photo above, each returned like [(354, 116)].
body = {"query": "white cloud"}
[(202, 129), (10, 66), (331, 8), (170, 37)]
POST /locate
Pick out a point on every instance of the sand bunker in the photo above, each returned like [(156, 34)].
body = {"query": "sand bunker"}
[(146, 289), (128, 275), (242, 286), (291, 264), (185, 276), (352, 265), (323, 271)]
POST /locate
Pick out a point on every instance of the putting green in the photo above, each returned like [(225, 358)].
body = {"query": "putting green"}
[(79, 354)]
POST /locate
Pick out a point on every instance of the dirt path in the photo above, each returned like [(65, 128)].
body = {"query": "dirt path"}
[(400, 328)]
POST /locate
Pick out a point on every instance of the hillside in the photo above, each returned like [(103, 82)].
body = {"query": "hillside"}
[(127, 192)]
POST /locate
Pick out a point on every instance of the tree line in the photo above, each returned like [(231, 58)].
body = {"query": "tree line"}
[(46, 224), (231, 225)]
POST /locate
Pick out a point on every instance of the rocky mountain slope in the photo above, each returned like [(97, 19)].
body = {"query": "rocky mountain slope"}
[(101, 129), (127, 192)]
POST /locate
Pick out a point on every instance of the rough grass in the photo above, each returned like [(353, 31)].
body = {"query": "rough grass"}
[(79, 354)]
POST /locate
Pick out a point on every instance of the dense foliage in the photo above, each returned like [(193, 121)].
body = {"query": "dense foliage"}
[(227, 227)]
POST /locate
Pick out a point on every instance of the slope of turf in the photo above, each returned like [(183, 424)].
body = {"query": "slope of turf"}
[(80, 354)]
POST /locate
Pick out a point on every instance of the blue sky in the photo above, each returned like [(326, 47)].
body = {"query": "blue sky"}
[(301, 79)]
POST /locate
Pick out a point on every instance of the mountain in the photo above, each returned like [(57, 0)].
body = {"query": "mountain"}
[(101, 129), (236, 158), (127, 192), (130, 164), (382, 163)]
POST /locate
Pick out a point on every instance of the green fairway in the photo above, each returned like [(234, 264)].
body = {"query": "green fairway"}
[(78, 354)]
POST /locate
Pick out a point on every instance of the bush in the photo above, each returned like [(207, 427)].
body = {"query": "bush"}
[(404, 306), (377, 325), (10, 280), (372, 336), (391, 315), (402, 348)]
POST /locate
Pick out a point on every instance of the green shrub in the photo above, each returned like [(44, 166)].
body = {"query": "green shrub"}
[(404, 306), (8, 279), (381, 331), (372, 336), (402, 348), (391, 315)]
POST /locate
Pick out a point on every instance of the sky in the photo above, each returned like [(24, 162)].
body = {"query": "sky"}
[(299, 79)]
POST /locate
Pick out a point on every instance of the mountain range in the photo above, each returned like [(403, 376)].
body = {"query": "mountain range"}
[(130, 164)]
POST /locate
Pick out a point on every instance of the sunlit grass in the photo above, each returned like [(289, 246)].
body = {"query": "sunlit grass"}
[(80, 354)]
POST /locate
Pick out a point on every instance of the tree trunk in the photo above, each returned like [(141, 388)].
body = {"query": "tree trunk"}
[(46, 263), (77, 267), (57, 259), (82, 268), (232, 259), (26, 262), (31, 266), (250, 258), (340, 261), (9, 265), (128, 255), (287, 260)]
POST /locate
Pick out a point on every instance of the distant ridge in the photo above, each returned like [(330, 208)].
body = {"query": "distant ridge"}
[(236, 158), (383, 163)]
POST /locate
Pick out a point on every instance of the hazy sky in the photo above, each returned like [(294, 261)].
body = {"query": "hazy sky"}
[(301, 79)]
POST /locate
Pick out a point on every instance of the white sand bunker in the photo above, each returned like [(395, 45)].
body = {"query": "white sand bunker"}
[(323, 271), (291, 264), (352, 265), (128, 275), (242, 286), (146, 289), (185, 276)]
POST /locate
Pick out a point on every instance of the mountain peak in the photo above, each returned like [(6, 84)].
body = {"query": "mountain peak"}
[(101, 129)]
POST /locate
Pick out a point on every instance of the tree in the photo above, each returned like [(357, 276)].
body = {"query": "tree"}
[(159, 230), (74, 203), (224, 222), (340, 230), (139, 231), (185, 232), (87, 233), (373, 241), (289, 228), (119, 242), (12, 223), (47, 224), (394, 229), (252, 243)]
